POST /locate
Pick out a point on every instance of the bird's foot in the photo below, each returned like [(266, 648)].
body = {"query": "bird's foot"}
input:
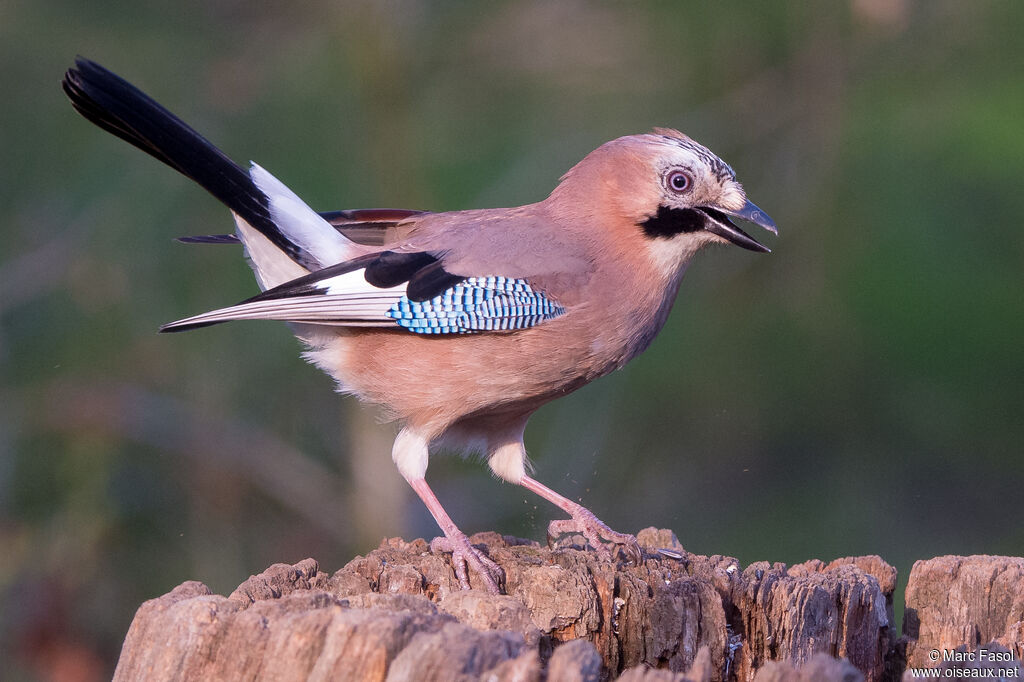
[(464, 554), (593, 529)]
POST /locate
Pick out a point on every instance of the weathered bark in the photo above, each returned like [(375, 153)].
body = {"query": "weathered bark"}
[(398, 614), (965, 613)]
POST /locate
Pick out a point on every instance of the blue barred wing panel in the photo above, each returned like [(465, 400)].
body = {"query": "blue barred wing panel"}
[(477, 304)]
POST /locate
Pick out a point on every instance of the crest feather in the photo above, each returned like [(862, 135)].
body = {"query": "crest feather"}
[(671, 132)]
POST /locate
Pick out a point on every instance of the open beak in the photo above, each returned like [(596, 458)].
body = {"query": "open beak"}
[(717, 222)]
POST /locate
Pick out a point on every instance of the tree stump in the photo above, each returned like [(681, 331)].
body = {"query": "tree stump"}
[(965, 613), (398, 614)]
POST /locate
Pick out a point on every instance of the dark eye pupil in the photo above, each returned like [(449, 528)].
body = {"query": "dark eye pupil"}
[(679, 181)]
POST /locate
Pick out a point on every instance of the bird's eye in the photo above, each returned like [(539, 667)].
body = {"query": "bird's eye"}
[(678, 181)]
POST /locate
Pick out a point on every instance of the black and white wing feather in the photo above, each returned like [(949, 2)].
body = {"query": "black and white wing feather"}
[(409, 291)]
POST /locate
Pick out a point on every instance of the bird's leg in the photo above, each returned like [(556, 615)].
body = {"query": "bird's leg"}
[(411, 452), (456, 542), (583, 521)]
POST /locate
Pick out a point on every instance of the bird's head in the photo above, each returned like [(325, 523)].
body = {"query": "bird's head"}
[(669, 191)]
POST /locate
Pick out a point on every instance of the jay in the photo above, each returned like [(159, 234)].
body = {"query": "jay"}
[(461, 324)]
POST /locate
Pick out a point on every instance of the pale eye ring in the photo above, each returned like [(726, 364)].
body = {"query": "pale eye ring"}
[(679, 181)]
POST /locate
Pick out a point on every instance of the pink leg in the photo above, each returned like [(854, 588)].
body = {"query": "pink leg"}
[(583, 521), (456, 542)]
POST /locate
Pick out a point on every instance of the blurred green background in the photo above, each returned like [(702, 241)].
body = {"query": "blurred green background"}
[(857, 391)]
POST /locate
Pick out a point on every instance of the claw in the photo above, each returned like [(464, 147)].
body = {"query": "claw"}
[(583, 521), (593, 529), (464, 554)]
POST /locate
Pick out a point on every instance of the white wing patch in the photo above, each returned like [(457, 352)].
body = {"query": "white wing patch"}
[(354, 283), (348, 300)]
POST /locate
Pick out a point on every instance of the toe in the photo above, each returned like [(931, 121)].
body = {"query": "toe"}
[(466, 556), (631, 548)]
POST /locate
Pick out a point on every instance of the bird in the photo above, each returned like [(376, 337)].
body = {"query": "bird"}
[(461, 324)]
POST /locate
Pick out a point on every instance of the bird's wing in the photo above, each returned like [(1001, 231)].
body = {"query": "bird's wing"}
[(372, 226), (366, 226), (439, 273), (402, 290)]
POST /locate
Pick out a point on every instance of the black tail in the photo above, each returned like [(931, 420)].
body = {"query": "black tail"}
[(120, 108)]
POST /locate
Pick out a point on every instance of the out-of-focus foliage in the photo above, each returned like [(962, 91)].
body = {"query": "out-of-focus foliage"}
[(857, 391)]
